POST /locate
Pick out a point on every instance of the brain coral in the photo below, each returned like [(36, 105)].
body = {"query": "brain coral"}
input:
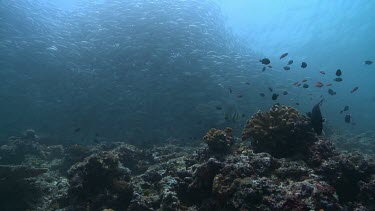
[(282, 132)]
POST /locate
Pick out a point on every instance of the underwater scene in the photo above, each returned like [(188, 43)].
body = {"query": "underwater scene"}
[(111, 105)]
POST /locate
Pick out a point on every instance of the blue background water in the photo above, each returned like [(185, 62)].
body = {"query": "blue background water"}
[(326, 34)]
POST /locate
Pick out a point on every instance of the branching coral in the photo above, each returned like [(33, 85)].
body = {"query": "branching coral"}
[(282, 132), (219, 140)]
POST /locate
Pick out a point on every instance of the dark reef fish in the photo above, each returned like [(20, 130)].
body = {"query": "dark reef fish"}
[(338, 72), (283, 55), (264, 69), (331, 92), (286, 68), (262, 94), (368, 62), (274, 96), (338, 79), (354, 89), (304, 65), (348, 118), (346, 108), (317, 118), (265, 61), (285, 93), (77, 130), (270, 88), (219, 108), (290, 62), (305, 86)]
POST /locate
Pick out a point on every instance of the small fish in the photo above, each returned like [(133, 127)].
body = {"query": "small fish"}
[(230, 90), (274, 96), (219, 108), (322, 72), (264, 69), (299, 84), (296, 83), (338, 79), (262, 94), (297, 104), (304, 65), (247, 83), (317, 118), (269, 88), (283, 55), (286, 68), (269, 66), (328, 84), (368, 62), (319, 84), (346, 108), (348, 118), (290, 62), (243, 115), (354, 89), (338, 72), (77, 130), (331, 92), (239, 96), (285, 93), (265, 61), (305, 86), (304, 80)]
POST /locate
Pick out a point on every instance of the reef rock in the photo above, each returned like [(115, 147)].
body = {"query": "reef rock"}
[(282, 132), (99, 182), (219, 140)]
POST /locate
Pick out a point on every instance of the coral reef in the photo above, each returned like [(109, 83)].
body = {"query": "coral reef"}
[(282, 132), (222, 175), (99, 182), (219, 140)]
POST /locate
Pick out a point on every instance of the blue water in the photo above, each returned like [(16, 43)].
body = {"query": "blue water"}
[(148, 71)]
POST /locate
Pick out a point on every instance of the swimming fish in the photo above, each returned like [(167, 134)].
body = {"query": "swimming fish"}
[(283, 55), (285, 93), (319, 84), (297, 104), (338, 79), (328, 84), (305, 86), (286, 68), (338, 72), (274, 96), (269, 88), (230, 89), (262, 94), (269, 66), (290, 62), (346, 108), (317, 118), (368, 62), (264, 69), (304, 65), (239, 96), (265, 61), (322, 72), (77, 130), (219, 108), (331, 92), (348, 118), (354, 89), (304, 80)]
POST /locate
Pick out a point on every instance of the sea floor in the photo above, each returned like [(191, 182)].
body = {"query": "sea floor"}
[(118, 176)]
